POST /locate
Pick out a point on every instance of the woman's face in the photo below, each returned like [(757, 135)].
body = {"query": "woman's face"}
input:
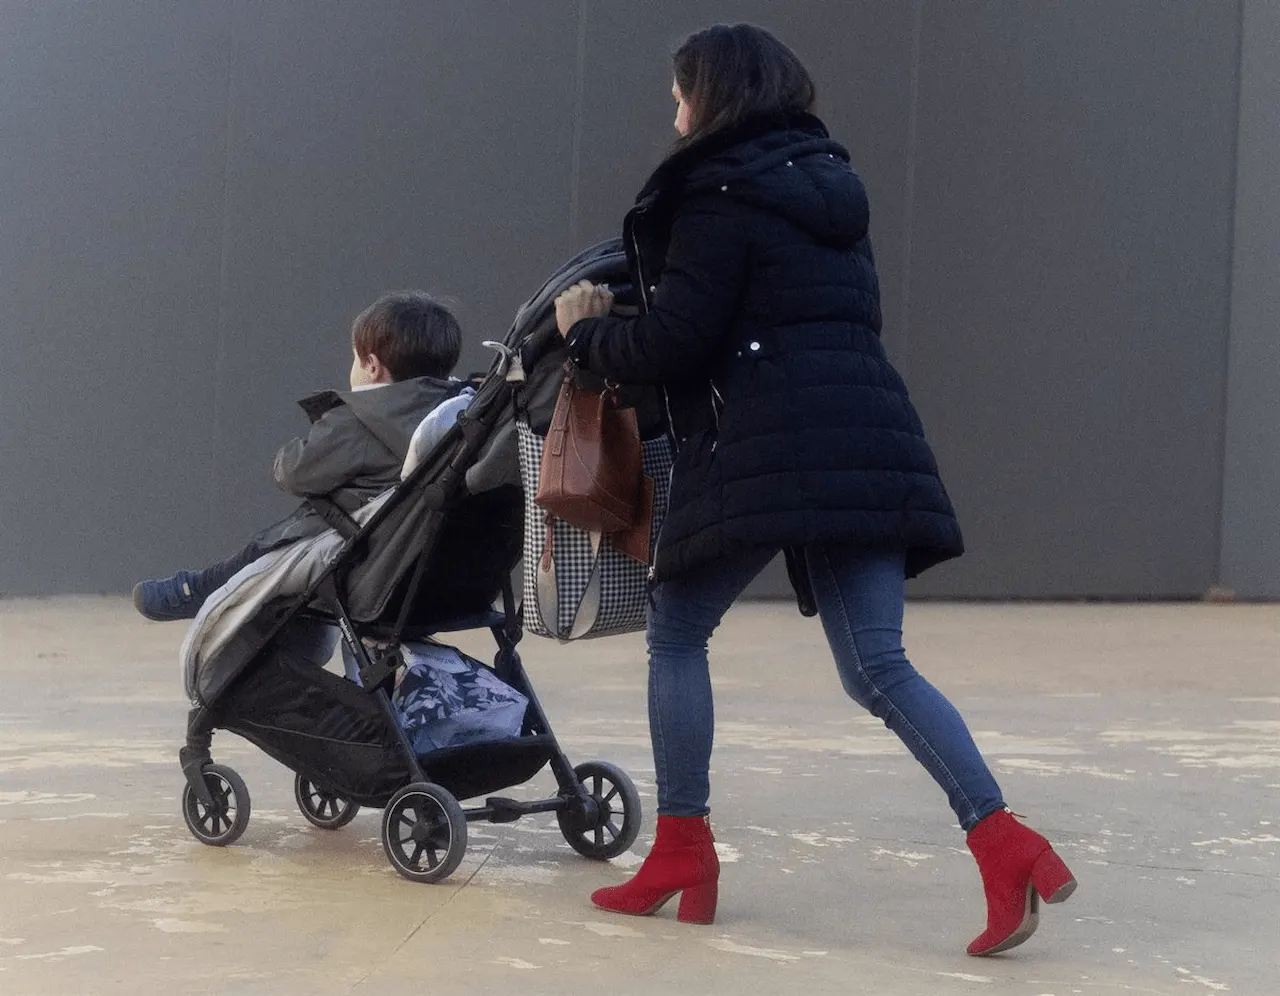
[(684, 118)]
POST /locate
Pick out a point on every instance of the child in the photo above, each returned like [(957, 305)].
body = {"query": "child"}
[(404, 346)]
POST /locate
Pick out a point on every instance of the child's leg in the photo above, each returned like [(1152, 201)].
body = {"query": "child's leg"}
[(307, 641), (181, 595)]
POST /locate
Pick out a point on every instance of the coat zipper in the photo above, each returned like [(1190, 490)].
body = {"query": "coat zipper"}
[(657, 540), (644, 300), (666, 400), (717, 403)]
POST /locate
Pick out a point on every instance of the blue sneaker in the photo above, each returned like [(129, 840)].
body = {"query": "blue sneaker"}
[(169, 599)]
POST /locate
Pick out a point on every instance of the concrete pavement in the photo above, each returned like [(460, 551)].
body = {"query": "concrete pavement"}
[(1144, 740)]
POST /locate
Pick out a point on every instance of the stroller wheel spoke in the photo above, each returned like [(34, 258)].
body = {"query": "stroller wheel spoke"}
[(605, 824), (223, 817), (424, 832), (323, 808)]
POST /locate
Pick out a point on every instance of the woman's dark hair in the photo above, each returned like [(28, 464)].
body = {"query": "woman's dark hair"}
[(411, 333), (731, 72)]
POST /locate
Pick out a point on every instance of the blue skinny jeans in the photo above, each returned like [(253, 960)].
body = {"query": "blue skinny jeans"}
[(859, 594)]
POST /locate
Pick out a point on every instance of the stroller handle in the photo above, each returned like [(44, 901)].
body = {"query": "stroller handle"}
[(623, 293)]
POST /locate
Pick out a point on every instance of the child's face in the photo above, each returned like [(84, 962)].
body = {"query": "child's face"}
[(367, 370)]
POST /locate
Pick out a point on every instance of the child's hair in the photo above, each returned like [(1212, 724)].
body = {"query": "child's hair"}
[(411, 333)]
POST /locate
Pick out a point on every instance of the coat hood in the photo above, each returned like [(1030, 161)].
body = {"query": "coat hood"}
[(390, 413), (789, 166)]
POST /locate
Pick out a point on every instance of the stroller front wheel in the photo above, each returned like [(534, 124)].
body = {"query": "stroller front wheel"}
[(323, 809), (224, 821), (609, 824), (424, 832)]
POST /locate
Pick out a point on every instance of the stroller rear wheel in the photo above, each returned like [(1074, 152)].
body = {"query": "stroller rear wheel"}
[(323, 809), (424, 832), (224, 821), (608, 825)]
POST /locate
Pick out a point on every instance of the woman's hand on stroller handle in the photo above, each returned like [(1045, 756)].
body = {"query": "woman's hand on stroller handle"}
[(583, 300)]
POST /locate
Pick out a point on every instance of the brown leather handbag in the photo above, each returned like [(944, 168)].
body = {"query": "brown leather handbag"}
[(592, 473)]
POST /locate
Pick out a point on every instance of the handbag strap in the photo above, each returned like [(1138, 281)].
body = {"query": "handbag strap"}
[(587, 611)]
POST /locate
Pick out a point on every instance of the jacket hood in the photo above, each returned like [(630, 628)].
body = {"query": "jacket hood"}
[(789, 166), (390, 413)]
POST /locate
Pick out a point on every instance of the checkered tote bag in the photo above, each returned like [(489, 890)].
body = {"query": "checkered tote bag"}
[(586, 588)]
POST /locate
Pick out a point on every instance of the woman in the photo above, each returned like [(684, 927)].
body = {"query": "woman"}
[(761, 322)]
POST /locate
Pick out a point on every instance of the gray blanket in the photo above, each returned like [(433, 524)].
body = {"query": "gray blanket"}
[(294, 567)]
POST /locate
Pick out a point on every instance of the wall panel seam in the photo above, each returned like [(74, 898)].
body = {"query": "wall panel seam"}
[(220, 358), (1229, 316), (902, 335)]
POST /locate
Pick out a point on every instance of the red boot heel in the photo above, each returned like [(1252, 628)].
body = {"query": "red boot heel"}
[(698, 905), (1052, 878)]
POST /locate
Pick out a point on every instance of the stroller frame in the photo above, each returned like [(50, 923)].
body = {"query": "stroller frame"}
[(424, 827)]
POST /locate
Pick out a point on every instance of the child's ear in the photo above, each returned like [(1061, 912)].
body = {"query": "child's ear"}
[(377, 370)]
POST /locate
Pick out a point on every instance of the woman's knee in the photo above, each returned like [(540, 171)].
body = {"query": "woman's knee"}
[(677, 633), (873, 677), (860, 690), (675, 656)]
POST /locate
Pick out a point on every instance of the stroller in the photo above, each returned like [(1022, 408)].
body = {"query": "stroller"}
[(435, 557)]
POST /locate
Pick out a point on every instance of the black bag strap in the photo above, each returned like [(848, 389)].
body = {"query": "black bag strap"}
[(798, 574), (406, 606), (335, 516)]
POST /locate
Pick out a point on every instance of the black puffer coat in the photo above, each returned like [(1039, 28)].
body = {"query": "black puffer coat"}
[(762, 323)]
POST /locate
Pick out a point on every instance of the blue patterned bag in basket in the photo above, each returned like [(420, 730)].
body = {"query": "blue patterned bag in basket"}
[(445, 699)]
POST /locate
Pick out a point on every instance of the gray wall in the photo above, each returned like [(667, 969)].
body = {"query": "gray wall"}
[(195, 199), (1251, 504)]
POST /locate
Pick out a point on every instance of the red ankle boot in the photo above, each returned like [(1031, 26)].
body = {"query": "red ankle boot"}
[(683, 860), (1019, 867)]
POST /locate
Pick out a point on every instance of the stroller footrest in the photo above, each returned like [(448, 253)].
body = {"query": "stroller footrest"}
[(499, 810), (504, 810)]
